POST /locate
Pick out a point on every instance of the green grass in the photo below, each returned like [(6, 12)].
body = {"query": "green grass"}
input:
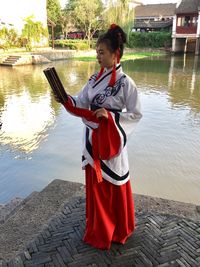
[(86, 58), (126, 56), (137, 55)]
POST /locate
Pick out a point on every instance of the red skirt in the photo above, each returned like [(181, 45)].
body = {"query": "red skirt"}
[(109, 212)]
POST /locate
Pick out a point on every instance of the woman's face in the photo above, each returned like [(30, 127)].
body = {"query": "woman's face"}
[(105, 58)]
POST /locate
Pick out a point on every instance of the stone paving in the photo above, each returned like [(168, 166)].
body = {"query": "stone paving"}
[(35, 211), (159, 240)]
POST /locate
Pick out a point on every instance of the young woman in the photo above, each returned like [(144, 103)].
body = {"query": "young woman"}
[(110, 108)]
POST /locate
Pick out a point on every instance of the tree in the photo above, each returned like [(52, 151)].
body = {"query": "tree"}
[(8, 38), (32, 32), (119, 12), (87, 16), (67, 21), (53, 10)]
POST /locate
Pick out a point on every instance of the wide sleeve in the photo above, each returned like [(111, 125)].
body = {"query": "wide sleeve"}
[(108, 138), (127, 120), (130, 118), (114, 132)]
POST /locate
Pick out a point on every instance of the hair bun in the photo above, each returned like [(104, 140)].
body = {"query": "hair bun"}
[(114, 38)]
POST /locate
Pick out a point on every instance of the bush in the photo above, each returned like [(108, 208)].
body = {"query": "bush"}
[(150, 39), (72, 44), (9, 38)]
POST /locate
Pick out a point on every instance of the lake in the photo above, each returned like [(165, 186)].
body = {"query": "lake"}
[(40, 141)]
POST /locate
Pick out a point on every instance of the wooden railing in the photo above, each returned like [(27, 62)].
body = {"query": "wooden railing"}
[(186, 29)]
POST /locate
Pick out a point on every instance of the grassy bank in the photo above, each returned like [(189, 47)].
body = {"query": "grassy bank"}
[(126, 56)]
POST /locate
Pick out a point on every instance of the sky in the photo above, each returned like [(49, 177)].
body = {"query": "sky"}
[(63, 2)]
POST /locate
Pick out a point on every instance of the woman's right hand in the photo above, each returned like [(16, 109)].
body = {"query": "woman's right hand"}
[(57, 98), (101, 113)]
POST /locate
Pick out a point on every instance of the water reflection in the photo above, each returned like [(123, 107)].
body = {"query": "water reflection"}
[(178, 76), (74, 74), (27, 107), (25, 121), (167, 140), (33, 123), (184, 82)]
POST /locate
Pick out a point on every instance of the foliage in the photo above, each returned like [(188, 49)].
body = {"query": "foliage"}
[(86, 15), (150, 39), (67, 21), (72, 44), (9, 38), (32, 32), (54, 10), (121, 13)]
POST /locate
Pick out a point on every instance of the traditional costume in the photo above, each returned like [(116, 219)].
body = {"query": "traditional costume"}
[(109, 200)]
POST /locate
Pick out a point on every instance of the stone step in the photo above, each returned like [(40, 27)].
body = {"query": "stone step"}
[(10, 208), (33, 215), (7, 61), (14, 57), (6, 64), (11, 60), (24, 60)]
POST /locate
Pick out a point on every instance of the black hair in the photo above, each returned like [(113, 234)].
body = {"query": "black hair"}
[(114, 38)]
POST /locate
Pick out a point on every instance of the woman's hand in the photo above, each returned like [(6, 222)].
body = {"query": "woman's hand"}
[(101, 113), (57, 98)]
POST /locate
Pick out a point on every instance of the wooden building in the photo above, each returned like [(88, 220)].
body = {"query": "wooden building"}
[(186, 27), (154, 17)]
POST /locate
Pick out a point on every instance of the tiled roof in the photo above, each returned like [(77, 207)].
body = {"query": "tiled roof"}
[(155, 10), (188, 6), (152, 24)]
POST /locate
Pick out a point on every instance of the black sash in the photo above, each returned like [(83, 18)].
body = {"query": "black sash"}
[(94, 107)]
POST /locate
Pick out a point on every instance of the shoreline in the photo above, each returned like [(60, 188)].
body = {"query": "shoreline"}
[(44, 56)]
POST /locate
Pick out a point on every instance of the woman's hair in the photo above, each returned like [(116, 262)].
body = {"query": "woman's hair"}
[(114, 38)]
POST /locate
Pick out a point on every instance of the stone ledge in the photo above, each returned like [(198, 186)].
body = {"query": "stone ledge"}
[(35, 214), (166, 206)]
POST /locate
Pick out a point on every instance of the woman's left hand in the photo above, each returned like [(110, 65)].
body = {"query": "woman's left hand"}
[(101, 113)]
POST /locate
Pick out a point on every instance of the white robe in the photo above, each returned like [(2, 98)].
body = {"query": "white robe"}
[(123, 97)]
